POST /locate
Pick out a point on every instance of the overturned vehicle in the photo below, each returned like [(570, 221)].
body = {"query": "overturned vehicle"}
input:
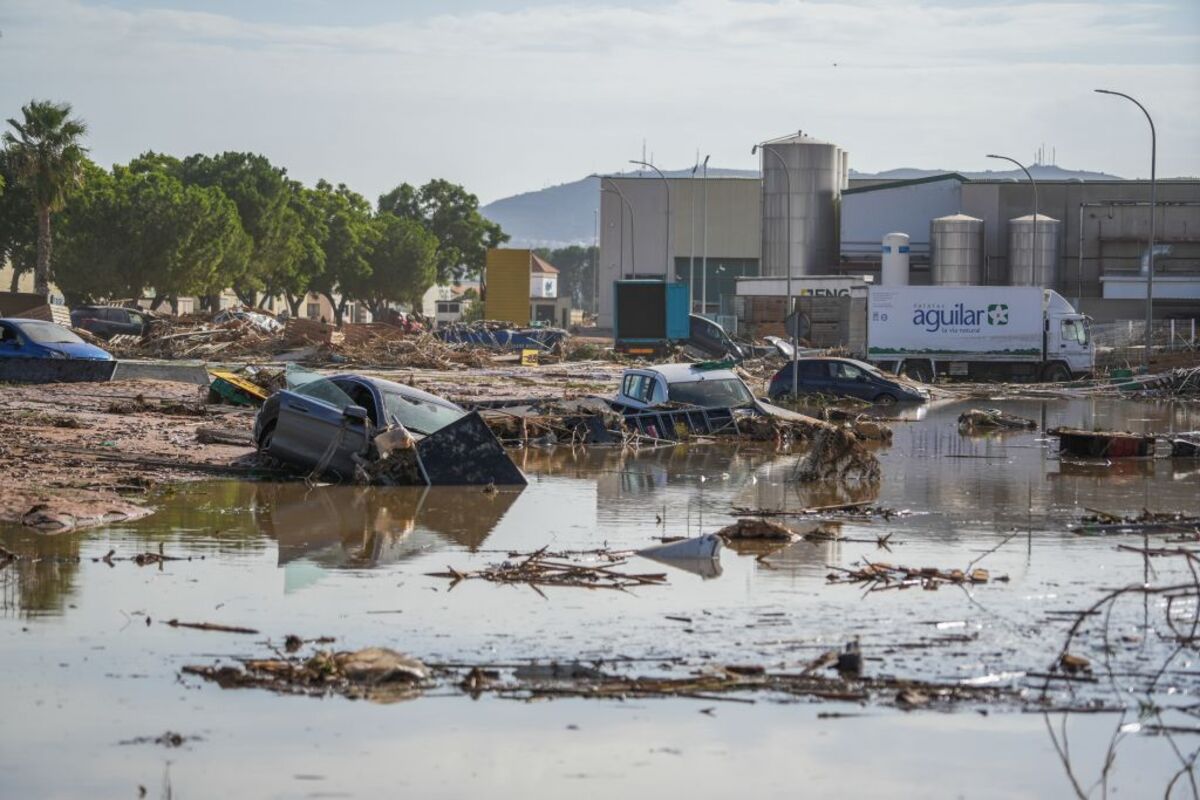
[(368, 430)]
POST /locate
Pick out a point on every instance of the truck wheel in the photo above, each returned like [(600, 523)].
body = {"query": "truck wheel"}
[(918, 371), (1056, 372)]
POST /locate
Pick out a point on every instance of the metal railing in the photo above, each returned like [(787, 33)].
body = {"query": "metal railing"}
[(1122, 342)]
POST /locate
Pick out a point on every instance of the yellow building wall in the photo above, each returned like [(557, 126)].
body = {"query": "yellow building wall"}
[(507, 278)]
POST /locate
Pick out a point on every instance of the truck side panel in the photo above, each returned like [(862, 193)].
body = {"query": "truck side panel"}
[(640, 313), (679, 325), (966, 323)]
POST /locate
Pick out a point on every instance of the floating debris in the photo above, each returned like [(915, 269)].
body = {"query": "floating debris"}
[(537, 569), (1103, 444), (1099, 523), (373, 673), (991, 420), (878, 576)]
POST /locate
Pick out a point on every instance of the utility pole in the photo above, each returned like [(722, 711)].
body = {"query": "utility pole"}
[(1036, 254), (692, 242), (1150, 267), (668, 268), (704, 255), (789, 310)]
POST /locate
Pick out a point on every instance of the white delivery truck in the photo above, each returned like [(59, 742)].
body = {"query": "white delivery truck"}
[(978, 332)]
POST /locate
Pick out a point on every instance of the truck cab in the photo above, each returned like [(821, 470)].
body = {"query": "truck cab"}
[(1069, 349), (697, 385)]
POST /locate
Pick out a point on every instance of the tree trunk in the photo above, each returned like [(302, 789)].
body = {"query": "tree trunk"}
[(16, 279), (41, 272), (338, 308), (294, 302)]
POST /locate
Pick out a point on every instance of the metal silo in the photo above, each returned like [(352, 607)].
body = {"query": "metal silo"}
[(956, 251), (816, 171), (1021, 270), (894, 260)]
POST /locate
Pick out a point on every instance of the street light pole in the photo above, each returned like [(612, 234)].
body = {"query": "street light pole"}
[(787, 178), (669, 270), (1150, 266), (596, 258), (632, 230), (704, 245), (1036, 254), (692, 240)]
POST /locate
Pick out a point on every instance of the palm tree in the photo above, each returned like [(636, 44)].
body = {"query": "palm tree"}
[(48, 159)]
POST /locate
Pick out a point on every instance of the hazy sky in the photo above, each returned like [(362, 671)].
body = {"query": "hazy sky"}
[(512, 95)]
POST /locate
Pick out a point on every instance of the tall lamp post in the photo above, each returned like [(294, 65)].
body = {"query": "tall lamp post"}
[(632, 232), (692, 241), (1036, 254), (668, 269), (787, 177), (1150, 266), (704, 247)]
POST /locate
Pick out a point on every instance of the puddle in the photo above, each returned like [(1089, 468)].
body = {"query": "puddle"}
[(86, 672)]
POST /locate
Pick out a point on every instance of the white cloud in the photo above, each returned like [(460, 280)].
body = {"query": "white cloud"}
[(509, 101)]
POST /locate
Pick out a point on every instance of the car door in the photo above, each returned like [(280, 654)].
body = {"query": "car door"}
[(850, 381), (11, 345), (312, 431)]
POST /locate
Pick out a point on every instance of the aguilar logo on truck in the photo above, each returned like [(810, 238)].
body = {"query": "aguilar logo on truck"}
[(934, 319)]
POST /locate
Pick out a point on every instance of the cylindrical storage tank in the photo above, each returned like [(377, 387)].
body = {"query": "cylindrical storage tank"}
[(895, 260), (956, 251), (1023, 268), (815, 171)]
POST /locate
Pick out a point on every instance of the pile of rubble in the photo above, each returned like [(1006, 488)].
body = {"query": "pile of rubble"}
[(225, 334)]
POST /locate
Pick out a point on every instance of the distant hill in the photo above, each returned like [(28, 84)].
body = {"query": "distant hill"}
[(562, 215)]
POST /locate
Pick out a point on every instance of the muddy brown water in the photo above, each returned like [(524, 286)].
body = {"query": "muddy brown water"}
[(84, 672)]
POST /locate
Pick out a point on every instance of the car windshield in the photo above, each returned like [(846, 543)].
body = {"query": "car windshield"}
[(720, 393), (865, 367), (49, 333), (420, 415), (317, 386)]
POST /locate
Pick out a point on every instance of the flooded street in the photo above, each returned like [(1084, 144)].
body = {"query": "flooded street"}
[(94, 674)]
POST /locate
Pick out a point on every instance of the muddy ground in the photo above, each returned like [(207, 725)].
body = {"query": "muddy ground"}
[(81, 454)]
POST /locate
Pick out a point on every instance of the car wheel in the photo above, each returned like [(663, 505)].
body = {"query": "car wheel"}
[(1056, 372), (885, 399)]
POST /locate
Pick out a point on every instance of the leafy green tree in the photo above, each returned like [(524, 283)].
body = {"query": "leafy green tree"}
[(47, 157), (451, 214), (134, 230), (403, 264), (348, 237), (271, 213), (18, 227)]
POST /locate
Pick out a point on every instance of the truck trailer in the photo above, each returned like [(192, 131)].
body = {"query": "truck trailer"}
[(977, 332)]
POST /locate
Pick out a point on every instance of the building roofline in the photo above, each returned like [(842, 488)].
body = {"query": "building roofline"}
[(896, 184)]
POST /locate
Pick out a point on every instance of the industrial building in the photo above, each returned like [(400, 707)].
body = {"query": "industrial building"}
[(1091, 236)]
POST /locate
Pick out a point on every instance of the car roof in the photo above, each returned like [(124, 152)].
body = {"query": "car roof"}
[(678, 373), (21, 322), (398, 388)]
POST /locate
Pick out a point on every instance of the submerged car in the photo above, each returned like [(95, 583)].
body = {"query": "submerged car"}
[(109, 321), (35, 338), (330, 425), (703, 385), (843, 377)]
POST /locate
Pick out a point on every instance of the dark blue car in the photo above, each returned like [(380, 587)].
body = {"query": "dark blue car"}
[(34, 338), (843, 377)]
